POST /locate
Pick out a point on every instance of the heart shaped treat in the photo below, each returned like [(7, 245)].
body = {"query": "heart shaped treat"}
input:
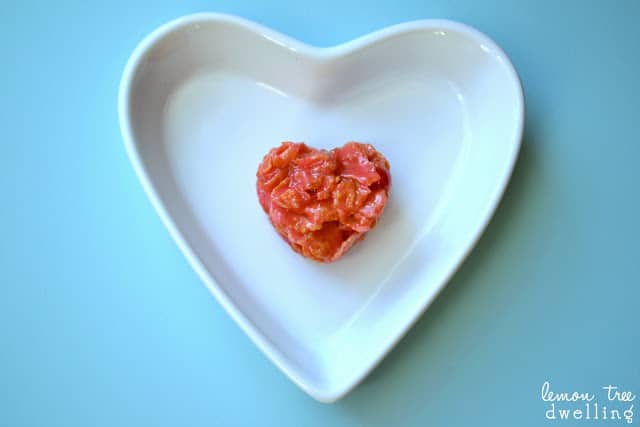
[(202, 100), (323, 202)]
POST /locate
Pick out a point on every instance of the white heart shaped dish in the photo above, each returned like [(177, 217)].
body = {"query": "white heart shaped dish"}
[(204, 97)]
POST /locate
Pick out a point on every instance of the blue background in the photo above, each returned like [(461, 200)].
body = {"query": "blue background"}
[(103, 323)]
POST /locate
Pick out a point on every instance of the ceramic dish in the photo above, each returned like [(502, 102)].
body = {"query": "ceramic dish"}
[(204, 97)]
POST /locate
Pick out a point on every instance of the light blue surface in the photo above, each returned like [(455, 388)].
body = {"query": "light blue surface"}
[(103, 323)]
